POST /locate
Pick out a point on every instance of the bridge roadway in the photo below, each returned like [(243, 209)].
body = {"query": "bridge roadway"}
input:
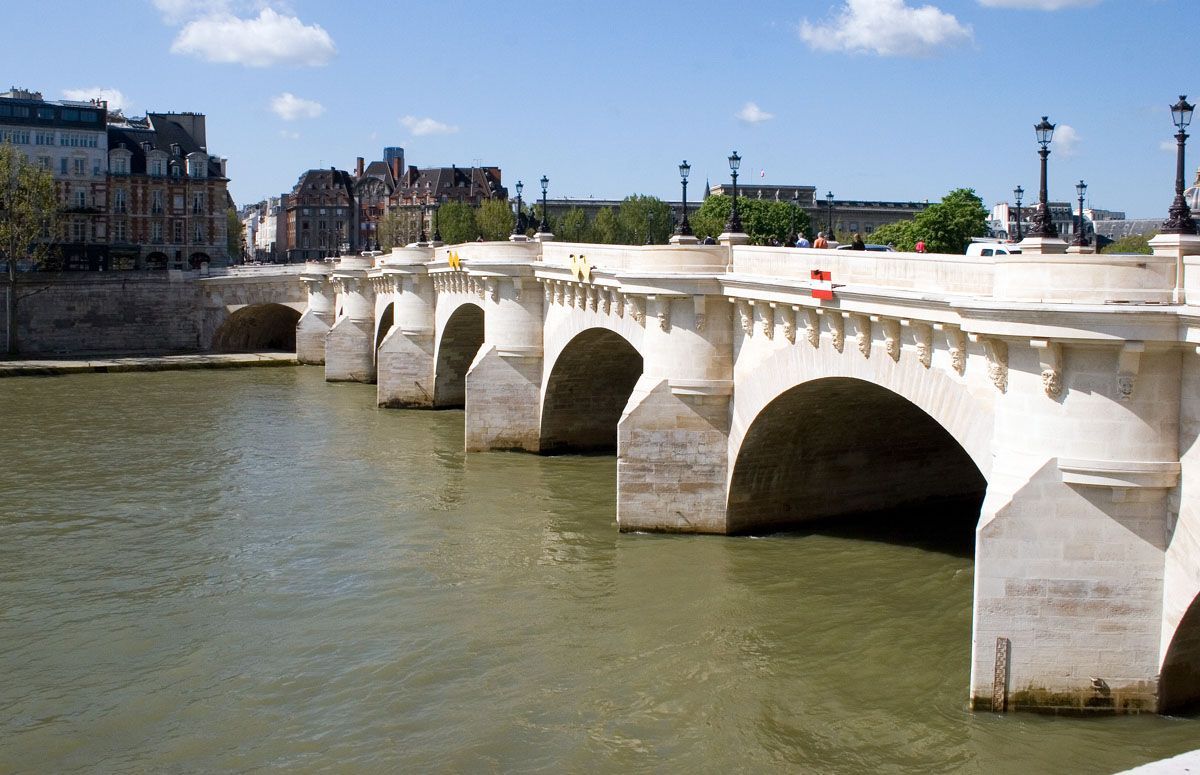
[(1059, 391)]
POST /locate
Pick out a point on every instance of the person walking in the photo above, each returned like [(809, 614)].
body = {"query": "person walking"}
[(920, 246), (802, 242), (857, 242), (820, 243)]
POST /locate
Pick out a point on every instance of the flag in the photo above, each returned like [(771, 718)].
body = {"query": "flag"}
[(762, 173), (821, 283)]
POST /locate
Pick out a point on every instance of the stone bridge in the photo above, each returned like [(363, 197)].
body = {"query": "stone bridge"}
[(250, 308), (1054, 394)]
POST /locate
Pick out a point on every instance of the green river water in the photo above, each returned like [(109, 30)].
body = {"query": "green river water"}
[(253, 570)]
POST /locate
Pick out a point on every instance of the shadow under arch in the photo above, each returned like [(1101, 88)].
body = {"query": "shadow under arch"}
[(386, 319), (1179, 679), (845, 456), (258, 327), (461, 339), (587, 391)]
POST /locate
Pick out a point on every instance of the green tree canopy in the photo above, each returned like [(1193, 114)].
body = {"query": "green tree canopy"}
[(762, 219), (234, 236), (28, 218), (573, 226), (389, 230), (1134, 243), (605, 228), (946, 226), (644, 220), (494, 219), (456, 223)]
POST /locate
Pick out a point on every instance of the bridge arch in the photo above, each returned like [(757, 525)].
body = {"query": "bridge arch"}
[(1179, 681), (258, 327), (458, 343), (384, 323), (586, 392)]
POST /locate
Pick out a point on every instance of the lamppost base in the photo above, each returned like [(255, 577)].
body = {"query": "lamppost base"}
[(543, 236), (733, 238), (1044, 246), (683, 239), (1080, 249), (517, 238)]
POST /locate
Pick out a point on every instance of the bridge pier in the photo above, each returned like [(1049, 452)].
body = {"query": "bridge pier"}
[(404, 362), (673, 439), (315, 322), (504, 383), (350, 344), (1071, 540)]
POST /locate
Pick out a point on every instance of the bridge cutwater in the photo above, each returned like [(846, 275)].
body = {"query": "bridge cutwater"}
[(1058, 390)]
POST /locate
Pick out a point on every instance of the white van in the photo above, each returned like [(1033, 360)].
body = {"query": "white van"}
[(992, 249)]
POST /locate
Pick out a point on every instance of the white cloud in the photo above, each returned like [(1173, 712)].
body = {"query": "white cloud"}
[(116, 100), (427, 126), (1168, 145), (289, 135), (885, 28), (1038, 5), (269, 39), (1066, 140), (289, 107), (751, 113)]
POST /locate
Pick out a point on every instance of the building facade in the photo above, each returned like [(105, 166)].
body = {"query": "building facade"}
[(838, 215), (321, 216), (67, 138)]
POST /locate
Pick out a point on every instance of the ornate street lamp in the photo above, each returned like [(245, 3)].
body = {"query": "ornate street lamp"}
[(794, 237), (1080, 239), (684, 229), (1179, 220), (829, 202), (437, 231), (422, 238), (1018, 192), (734, 226), (544, 226), (1040, 223), (517, 223)]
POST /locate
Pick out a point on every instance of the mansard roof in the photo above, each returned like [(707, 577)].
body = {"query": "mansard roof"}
[(162, 134)]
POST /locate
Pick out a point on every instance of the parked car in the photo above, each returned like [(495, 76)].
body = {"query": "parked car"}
[(878, 248), (992, 249)]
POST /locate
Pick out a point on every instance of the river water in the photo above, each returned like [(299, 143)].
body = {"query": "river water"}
[(254, 570)]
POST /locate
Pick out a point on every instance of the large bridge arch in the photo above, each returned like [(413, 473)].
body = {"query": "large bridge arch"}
[(803, 409), (458, 342), (1179, 682), (586, 390), (257, 327)]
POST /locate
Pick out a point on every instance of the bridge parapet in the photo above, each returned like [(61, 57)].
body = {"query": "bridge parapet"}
[(647, 259), (927, 272)]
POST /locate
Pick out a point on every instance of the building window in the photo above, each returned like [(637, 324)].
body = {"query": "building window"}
[(62, 166), (43, 138), (156, 202), (179, 231), (198, 233), (43, 162), (119, 201), (120, 165), (178, 204), (78, 165), (119, 231), (80, 198), (195, 168), (197, 203), (77, 231), (156, 167), (156, 232)]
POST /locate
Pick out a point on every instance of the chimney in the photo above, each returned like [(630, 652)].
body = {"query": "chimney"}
[(358, 167), (396, 162)]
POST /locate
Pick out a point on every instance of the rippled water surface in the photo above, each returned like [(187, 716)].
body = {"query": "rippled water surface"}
[(255, 570)]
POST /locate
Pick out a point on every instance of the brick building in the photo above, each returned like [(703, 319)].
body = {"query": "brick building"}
[(321, 216)]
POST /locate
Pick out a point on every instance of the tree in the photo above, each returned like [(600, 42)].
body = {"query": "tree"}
[(946, 226), (234, 236), (573, 227), (605, 228), (763, 220), (456, 223), (644, 220), (1134, 243), (389, 230), (494, 219), (28, 215)]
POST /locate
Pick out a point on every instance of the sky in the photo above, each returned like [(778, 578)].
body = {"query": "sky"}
[(869, 99)]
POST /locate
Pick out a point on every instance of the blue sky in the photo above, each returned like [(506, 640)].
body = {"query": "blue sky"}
[(872, 99)]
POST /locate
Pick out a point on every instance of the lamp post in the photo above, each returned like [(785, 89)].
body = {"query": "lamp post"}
[(1018, 192), (1040, 223), (544, 226), (684, 229), (517, 230), (794, 237), (1179, 220), (829, 202), (422, 239), (734, 226), (437, 231), (1080, 239)]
